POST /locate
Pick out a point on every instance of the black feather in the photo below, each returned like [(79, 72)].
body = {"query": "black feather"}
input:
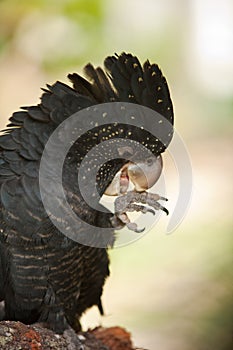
[(44, 275)]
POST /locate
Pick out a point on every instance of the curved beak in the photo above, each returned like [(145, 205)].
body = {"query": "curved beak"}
[(143, 176)]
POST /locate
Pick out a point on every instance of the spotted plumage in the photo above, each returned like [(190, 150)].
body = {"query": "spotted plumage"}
[(45, 276)]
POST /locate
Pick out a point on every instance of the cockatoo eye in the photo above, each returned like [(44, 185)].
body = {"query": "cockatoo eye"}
[(149, 161)]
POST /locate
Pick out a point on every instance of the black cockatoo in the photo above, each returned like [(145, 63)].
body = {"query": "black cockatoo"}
[(46, 276)]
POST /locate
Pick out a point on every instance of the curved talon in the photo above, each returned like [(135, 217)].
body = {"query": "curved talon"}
[(165, 210), (140, 230), (163, 199), (133, 227), (148, 210)]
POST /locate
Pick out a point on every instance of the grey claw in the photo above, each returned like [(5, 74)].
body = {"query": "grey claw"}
[(72, 338), (129, 202)]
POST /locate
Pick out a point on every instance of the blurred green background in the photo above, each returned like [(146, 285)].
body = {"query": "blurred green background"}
[(172, 291)]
